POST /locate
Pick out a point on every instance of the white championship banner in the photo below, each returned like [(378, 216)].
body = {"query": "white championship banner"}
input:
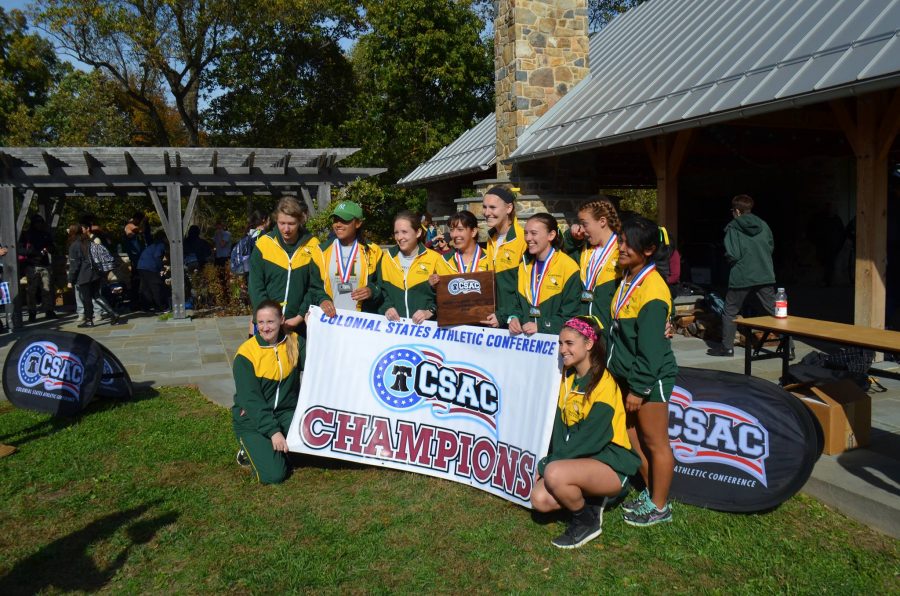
[(467, 404)]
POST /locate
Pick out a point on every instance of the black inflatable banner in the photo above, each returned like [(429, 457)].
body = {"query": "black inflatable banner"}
[(53, 371), (740, 443), (115, 384)]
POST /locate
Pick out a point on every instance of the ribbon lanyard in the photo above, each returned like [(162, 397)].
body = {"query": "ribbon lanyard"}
[(598, 262), (623, 297), (345, 270), (538, 280), (473, 266)]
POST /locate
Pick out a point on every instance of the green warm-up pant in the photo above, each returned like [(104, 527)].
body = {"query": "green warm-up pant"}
[(269, 466)]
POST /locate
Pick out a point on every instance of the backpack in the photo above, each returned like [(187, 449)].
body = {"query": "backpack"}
[(240, 254), (101, 259)]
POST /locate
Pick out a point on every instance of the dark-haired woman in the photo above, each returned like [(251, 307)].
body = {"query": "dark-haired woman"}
[(404, 273), (590, 453), (505, 248), (267, 379), (466, 256), (641, 360), (84, 277), (549, 284)]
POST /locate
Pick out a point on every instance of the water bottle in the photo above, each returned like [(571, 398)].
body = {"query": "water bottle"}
[(780, 304)]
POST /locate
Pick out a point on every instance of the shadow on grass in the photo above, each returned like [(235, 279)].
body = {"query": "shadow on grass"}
[(53, 424), (66, 564)]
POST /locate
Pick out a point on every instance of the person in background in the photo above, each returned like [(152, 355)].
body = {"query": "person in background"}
[(267, 381), (197, 251), (549, 283), (38, 253), (590, 454), (137, 237), (429, 230), (405, 273), (748, 247), (3, 251), (505, 248), (643, 364), (349, 263), (83, 275), (441, 243), (222, 244), (150, 267)]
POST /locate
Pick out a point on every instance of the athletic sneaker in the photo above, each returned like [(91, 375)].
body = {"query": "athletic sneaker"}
[(634, 504), (586, 525), (242, 458), (648, 515)]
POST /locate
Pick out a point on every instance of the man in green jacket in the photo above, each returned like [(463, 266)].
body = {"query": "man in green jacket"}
[(748, 248)]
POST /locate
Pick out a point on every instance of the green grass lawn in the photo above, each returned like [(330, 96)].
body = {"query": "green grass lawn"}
[(145, 497)]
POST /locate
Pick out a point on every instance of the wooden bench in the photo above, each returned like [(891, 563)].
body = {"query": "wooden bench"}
[(880, 340)]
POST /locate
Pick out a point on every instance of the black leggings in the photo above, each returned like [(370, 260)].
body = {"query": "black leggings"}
[(153, 289)]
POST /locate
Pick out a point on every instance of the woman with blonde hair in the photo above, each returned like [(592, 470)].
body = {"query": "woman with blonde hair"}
[(593, 242), (267, 379)]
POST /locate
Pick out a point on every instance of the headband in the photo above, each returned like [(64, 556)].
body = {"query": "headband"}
[(504, 194), (582, 327)]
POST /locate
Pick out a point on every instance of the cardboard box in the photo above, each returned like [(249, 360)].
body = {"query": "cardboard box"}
[(844, 411)]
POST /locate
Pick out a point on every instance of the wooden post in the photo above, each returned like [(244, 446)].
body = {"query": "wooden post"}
[(324, 196), (176, 249), (871, 125), (9, 239), (189, 212), (23, 212), (667, 154)]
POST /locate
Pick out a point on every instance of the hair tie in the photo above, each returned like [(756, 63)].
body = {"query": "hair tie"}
[(582, 327)]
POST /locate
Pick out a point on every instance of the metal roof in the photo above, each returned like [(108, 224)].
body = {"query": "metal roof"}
[(474, 151), (674, 64)]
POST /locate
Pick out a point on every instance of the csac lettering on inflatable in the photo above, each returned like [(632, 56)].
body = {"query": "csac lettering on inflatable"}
[(740, 443), (59, 372)]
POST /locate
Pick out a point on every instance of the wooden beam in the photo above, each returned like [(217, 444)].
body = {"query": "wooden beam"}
[(324, 196), (23, 212), (889, 126), (9, 239), (154, 196), (667, 154), (176, 249), (847, 122), (189, 212), (307, 198)]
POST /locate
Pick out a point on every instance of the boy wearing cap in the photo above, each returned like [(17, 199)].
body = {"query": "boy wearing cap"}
[(349, 262)]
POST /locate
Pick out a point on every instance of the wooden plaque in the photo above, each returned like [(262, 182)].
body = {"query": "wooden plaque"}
[(465, 298)]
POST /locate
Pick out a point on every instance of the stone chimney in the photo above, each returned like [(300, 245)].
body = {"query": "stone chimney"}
[(540, 52)]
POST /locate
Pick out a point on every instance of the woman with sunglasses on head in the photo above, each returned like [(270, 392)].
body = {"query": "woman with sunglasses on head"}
[(405, 272), (642, 362), (505, 248), (549, 285), (590, 453), (267, 379)]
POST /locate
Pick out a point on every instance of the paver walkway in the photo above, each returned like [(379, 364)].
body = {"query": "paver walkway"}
[(864, 483)]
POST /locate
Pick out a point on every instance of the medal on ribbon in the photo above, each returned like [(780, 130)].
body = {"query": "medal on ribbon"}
[(624, 296), (597, 262), (473, 266), (345, 269), (537, 280)]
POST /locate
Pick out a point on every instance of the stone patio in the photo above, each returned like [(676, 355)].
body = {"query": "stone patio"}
[(863, 483)]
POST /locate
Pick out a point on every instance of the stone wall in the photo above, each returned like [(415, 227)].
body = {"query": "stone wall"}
[(541, 52)]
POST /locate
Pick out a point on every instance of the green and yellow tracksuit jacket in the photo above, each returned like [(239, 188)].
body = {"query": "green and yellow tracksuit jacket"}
[(267, 386), (603, 287), (369, 255), (288, 274), (591, 426), (640, 354), (505, 259), (484, 263), (409, 291), (559, 296)]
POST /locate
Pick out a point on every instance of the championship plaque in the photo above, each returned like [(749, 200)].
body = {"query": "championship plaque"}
[(465, 298)]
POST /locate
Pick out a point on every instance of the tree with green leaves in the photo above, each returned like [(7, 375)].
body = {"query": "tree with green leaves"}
[(143, 44), (28, 68), (424, 75)]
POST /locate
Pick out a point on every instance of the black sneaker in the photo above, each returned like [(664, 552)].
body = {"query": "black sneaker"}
[(720, 351), (242, 459), (32, 317), (117, 321), (586, 525), (86, 323), (50, 315)]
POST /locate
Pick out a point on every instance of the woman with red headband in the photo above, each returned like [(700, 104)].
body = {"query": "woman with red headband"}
[(590, 453)]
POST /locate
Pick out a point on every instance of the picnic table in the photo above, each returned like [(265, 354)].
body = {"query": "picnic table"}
[(880, 340)]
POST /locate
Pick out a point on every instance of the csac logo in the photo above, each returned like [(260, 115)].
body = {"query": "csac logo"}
[(703, 431), (43, 363), (463, 286), (406, 377)]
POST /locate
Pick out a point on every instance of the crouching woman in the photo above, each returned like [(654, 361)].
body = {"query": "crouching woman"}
[(267, 377), (590, 454)]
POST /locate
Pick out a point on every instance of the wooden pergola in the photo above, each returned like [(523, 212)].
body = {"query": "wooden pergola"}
[(50, 175)]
